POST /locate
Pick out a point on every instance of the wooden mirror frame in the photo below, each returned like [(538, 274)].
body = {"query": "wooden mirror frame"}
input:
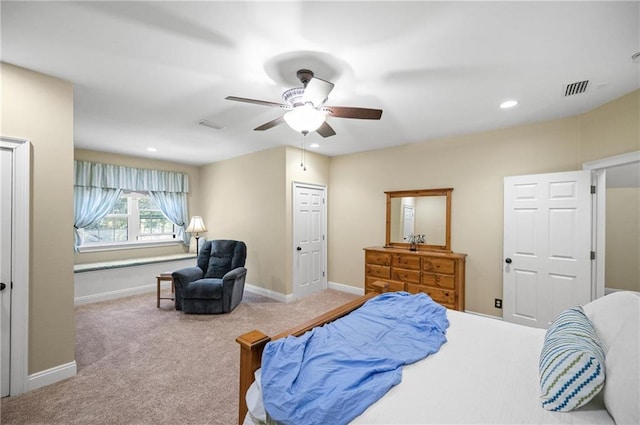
[(417, 193)]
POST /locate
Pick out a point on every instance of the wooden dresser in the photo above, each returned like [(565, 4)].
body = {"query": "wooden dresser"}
[(438, 274)]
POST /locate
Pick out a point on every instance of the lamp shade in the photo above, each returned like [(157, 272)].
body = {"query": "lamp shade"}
[(305, 118), (196, 225)]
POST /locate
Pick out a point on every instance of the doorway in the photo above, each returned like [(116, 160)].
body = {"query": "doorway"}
[(619, 171), (15, 265), (309, 239)]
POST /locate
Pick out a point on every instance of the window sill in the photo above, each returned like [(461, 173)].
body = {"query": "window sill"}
[(108, 265), (129, 245)]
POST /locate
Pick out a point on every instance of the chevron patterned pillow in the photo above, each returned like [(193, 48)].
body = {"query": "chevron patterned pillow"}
[(571, 362)]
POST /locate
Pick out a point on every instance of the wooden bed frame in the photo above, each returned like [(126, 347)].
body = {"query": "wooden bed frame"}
[(252, 343)]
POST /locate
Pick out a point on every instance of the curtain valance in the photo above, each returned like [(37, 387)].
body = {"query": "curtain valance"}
[(93, 174)]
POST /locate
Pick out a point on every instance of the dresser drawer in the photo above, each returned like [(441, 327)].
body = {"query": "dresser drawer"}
[(440, 296), (439, 274), (443, 281), (438, 265), (379, 258), (405, 275), (378, 271), (393, 285), (406, 261)]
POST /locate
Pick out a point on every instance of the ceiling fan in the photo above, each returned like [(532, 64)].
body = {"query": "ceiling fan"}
[(307, 111)]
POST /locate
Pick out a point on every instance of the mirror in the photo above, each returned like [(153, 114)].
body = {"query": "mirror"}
[(425, 212)]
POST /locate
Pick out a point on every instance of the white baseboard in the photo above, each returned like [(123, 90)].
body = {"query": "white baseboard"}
[(51, 376), (346, 288), (112, 295), (278, 296)]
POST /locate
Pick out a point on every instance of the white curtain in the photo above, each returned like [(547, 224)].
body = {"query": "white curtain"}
[(93, 174), (90, 205), (98, 186), (174, 207)]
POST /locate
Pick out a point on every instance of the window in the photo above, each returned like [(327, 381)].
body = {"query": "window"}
[(134, 219)]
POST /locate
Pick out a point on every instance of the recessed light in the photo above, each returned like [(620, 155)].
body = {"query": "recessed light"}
[(508, 104), (314, 145), (150, 149)]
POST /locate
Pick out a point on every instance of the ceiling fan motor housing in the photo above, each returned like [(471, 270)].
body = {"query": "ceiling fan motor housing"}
[(293, 97), (304, 75)]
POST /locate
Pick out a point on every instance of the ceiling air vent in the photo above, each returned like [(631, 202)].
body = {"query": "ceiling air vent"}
[(210, 124), (576, 88)]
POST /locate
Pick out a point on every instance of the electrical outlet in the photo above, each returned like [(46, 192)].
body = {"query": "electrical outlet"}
[(497, 303)]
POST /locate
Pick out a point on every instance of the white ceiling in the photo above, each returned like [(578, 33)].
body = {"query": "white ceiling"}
[(145, 72)]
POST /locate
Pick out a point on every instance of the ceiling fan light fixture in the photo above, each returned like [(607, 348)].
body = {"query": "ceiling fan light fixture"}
[(305, 119)]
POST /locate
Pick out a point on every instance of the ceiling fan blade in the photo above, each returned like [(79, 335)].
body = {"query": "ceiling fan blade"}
[(270, 124), (351, 112), (317, 91), (325, 130), (258, 102)]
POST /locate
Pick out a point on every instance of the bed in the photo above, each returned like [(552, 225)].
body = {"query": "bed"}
[(488, 371)]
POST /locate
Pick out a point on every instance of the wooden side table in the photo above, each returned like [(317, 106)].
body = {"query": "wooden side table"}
[(164, 277)]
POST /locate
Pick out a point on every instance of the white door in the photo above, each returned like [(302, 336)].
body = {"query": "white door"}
[(547, 245), (6, 172), (309, 274), (408, 221)]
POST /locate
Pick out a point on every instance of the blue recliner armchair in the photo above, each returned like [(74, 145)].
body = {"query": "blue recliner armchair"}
[(216, 283)]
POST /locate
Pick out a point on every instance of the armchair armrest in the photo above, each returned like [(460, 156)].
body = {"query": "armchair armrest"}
[(233, 288), (181, 278), (235, 274), (189, 274)]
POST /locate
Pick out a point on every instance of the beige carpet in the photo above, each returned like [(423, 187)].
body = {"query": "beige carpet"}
[(141, 365)]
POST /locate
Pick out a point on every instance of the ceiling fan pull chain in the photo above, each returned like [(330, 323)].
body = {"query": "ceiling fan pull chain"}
[(302, 153)]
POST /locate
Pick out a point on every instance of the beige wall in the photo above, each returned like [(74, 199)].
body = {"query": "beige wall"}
[(243, 200), (40, 108), (474, 166), (194, 198), (611, 129), (622, 269), (249, 198)]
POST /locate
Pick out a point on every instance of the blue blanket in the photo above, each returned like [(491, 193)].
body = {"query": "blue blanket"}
[(331, 374)]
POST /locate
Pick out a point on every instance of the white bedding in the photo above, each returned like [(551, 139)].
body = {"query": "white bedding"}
[(486, 373)]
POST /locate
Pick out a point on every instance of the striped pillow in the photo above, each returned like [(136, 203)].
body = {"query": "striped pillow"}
[(571, 362)]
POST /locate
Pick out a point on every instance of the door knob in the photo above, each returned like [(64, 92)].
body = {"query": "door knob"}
[(508, 261), (2, 286), (298, 249)]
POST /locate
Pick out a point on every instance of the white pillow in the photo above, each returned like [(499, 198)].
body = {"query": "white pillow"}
[(616, 318), (572, 365)]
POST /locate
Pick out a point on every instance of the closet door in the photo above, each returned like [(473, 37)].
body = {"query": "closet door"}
[(547, 245)]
